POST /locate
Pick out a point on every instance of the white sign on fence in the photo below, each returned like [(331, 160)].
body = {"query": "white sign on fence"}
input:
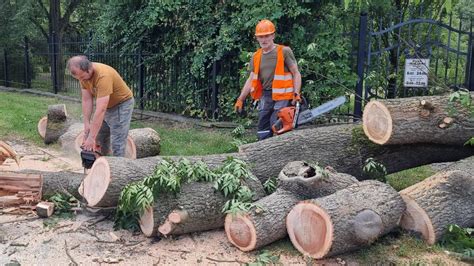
[(416, 72)]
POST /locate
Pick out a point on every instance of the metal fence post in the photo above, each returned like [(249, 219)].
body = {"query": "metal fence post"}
[(27, 64), (359, 93), (5, 62), (470, 66), (214, 102), (141, 77)]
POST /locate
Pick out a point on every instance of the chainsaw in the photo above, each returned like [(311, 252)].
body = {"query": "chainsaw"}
[(88, 158), (290, 117)]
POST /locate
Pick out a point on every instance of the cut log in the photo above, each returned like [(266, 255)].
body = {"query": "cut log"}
[(266, 223), (438, 201), (109, 175), (418, 120), (141, 142), (6, 151), (196, 207), (42, 126), (347, 220), (345, 148), (57, 123), (45, 209), (146, 143)]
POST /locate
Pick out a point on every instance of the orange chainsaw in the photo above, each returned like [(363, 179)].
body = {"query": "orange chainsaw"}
[(290, 117)]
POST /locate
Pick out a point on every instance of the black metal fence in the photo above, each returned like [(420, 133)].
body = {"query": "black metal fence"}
[(382, 49)]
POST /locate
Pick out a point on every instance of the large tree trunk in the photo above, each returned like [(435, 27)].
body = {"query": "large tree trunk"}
[(265, 223), (431, 119), (345, 148), (109, 175), (438, 201), (196, 207), (347, 220)]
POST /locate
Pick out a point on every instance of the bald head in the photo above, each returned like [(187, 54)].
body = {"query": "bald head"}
[(80, 62), (80, 67)]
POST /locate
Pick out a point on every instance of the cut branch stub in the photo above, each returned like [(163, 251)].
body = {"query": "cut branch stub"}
[(266, 223), (344, 221), (438, 201)]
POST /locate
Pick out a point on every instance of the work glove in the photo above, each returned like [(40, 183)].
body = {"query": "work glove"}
[(238, 105), (296, 98)]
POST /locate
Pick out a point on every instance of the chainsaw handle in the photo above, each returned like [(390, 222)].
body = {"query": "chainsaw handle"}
[(277, 126)]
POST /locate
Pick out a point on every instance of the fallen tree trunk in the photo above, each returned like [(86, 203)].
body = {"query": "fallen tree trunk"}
[(141, 142), (109, 175), (430, 119), (347, 220), (345, 148), (438, 201), (57, 123), (265, 223), (196, 207)]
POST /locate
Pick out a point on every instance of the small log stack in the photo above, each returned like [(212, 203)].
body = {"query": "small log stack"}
[(430, 119), (347, 220), (265, 224), (438, 201), (17, 189)]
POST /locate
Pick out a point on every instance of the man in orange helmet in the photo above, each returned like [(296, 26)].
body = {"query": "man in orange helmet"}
[(274, 79)]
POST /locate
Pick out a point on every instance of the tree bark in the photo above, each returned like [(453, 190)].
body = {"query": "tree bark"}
[(109, 175), (71, 140), (431, 119), (345, 148), (347, 220), (440, 200), (265, 224)]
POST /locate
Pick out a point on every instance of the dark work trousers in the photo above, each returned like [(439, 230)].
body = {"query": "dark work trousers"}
[(114, 131), (267, 114)]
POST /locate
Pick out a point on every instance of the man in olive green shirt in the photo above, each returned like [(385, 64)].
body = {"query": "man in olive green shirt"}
[(114, 102)]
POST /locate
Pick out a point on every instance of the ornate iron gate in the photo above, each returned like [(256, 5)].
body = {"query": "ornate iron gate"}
[(385, 47)]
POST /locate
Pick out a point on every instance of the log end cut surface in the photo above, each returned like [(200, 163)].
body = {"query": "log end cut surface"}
[(305, 221), (241, 232), (147, 222), (415, 219), (97, 181), (42, 126), (377, 122)]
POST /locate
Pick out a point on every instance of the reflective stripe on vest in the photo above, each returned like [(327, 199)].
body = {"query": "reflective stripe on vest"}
[(282, 85)]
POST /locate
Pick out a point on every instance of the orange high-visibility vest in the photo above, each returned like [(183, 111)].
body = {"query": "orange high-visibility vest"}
[(282, 85)]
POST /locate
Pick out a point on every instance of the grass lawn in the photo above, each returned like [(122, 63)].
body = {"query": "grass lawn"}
[(20, 113)]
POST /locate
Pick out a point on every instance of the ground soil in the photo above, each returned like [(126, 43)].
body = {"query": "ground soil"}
[(88, 238)]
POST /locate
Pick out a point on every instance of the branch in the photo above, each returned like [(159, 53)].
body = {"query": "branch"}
[(38, 25), (43, 8), (64, 21)]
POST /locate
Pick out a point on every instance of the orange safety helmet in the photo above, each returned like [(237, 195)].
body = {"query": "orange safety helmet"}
[(264, 27)]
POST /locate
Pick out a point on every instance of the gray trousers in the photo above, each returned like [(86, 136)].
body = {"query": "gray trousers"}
[(114, 131), (267, 114)]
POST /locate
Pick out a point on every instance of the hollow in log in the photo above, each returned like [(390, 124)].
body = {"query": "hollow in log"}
[(429, 119), (438, 201), (265, 224), (347, 220)]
